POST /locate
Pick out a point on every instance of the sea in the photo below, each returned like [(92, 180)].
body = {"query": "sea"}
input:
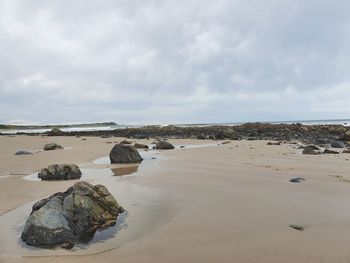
[(344, 122)]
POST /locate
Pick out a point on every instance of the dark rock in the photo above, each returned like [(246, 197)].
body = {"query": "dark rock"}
[(201, 137), (296, 180), (274, 143), (55, 132), (345, 136), (338, 144), (328, 151), (64, 219), (309, 151), (121, 153), (125, 142), (297, 227), (320, 141), (346, 151), (163, 145), (227, 134), (60, 172), (52, 146), (312, 147), (23, 153), (140, 146)]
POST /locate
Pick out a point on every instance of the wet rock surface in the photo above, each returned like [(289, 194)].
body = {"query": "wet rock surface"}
[(122, 153), (71, 217), (60, 172)]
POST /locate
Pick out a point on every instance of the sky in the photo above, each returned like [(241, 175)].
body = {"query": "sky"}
[(147, 62)]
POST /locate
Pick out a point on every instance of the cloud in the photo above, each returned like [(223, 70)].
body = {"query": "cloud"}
[(173, 62)]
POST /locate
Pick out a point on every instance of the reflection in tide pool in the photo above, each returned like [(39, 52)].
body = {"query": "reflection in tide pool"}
[(120, 171)]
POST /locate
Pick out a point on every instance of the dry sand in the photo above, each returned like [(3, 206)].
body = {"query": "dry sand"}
[(220, 203)]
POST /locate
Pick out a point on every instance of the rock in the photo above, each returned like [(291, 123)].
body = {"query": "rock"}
[(328, 151), (312, 147), (345, 136), (23, 153), (55, 132), (346, 151), (297, 227), (121, 153), (52, 146), (201, 137), (140, 146), (163, 145), (227, 134), (273, 143), (226, 142), (338, 144), (60, 172), (320, 141), (309, 151), (125, 142), (296, 180), (64, 219)]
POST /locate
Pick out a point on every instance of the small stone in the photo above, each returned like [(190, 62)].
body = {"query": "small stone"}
[(297, 227)]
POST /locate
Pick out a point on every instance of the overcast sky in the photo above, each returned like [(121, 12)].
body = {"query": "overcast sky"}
[(139, 62)]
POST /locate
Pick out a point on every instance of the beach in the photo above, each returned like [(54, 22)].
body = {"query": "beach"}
[(207, 202)]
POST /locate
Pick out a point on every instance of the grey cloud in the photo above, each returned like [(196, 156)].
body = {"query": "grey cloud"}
[(173, 61)]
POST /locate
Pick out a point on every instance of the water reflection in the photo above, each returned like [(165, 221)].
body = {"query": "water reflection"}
[(120, 171)]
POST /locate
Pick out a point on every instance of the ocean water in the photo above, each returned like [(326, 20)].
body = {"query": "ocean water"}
[(345, 122)]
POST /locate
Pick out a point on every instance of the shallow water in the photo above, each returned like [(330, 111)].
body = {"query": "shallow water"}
[(146, 210)]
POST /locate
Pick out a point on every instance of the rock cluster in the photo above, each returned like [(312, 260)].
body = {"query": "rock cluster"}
[(74, 216)]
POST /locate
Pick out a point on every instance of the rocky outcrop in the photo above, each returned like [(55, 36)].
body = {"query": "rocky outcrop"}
[(163, 145), (52, 146), (140, 146), (121, 153), (23, 153), (74, 216), (60, 172), (55, 132)]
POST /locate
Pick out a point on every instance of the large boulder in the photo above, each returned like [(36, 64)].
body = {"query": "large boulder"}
[(52, 146), (74, 216), (163, 145), (122, 153), (60, 172)]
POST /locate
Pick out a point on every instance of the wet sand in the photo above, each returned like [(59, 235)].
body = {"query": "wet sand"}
[(220, 203)]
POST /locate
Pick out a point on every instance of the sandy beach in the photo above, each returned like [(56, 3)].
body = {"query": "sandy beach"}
[(206, 202)]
